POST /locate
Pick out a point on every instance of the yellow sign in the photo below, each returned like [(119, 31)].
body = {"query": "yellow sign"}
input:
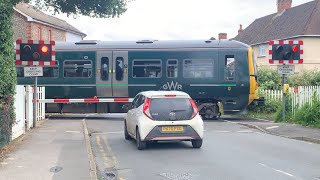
[(286, 88), (171, 129)]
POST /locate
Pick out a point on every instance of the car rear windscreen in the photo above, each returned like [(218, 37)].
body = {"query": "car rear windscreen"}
[(171, 109)]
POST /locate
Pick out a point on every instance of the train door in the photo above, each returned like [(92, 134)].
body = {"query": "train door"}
[(120, 74), (104, 74)]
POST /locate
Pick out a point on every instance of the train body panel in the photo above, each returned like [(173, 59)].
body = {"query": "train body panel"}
[(213, 72)]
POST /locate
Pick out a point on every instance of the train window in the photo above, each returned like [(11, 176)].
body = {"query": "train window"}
[(48, 71), (172, 68), (230, 68), (104, 69), (78, 68), (198, 68), (51, 71), (119, 68), (150, 68)]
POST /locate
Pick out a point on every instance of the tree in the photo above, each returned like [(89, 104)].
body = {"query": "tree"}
[(92, 8)]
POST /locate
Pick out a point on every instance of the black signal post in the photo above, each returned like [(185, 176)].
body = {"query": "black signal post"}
[(34, 55), (285, 54)]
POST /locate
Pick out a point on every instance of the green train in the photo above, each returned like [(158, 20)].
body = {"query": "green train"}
[(220, 75)]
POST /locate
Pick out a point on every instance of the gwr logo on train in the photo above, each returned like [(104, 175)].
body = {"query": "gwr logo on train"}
[(172, 86)]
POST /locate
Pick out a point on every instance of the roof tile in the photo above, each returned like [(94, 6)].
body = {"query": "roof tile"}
[(299, 20), (40, 16)]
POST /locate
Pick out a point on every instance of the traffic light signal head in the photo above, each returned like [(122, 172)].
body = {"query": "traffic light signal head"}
[(35, 52), (286, 52)]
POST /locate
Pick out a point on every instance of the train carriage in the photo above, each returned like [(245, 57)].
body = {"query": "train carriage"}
[(219, 75)]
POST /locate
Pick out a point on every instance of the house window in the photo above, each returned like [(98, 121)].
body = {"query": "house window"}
[(39, 33), (50, 35), (262, 50)]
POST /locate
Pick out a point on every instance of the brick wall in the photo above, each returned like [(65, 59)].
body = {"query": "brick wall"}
[(21, 28), (56, 34)]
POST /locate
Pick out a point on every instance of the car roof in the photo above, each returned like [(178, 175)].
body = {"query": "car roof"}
[(151, 94)]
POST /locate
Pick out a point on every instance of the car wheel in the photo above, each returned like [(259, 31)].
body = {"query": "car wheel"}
[(126, 134), (197, 143), (140, 144)]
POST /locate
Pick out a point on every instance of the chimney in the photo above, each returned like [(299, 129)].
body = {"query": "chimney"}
[(283, 4), (240, 29), (223, 36)]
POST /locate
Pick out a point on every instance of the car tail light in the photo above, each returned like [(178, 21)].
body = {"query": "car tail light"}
[(146, 108), (195, 108)]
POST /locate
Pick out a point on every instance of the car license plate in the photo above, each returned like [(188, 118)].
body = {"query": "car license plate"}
[(172, 129)]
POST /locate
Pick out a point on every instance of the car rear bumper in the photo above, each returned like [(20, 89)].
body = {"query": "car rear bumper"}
[(157, 135)]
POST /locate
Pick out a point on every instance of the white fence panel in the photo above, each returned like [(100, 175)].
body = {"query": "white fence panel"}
[(19, 127), (24, 109), (299, 95)]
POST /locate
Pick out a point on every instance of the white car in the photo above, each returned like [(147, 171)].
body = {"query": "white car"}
[(163, 116)]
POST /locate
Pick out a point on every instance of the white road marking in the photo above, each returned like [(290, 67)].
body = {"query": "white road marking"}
[(221, 131), (263, 165), (117, 132), (279, 171), (19, 166), (230, 122), (272, 127), (72, 131), (284, 173), (102, 133), (245, 131), (10, 158)]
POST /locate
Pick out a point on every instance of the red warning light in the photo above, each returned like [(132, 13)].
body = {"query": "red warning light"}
[(295, 48), (44, 49)]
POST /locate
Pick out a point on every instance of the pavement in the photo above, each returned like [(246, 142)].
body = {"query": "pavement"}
[(55, 150), (292, 131)]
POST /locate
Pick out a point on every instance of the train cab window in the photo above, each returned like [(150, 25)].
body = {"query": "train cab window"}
[(172, 68), (146, 68), (230, 63), (119, 68), (104, 69), (77, 69), (198, 68)]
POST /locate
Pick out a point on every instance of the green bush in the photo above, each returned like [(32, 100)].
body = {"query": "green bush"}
[(271, 106), (309, 114), (305, 78), (7, 71), (269, 79)]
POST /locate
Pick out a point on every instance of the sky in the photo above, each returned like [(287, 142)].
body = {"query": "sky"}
[(175, 19)]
